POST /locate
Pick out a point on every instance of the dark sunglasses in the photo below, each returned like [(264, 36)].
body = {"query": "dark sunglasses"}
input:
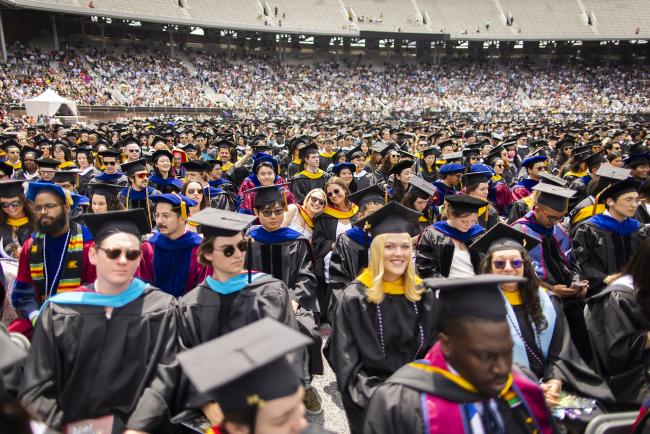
[(141, 175), (336, 191), (14, 204), (130, 254), (228, 251), (110, 163), (270, 212), (317, 200), (194, 191), (500, 264)]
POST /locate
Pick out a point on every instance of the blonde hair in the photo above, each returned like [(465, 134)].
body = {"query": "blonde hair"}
[(305, 201), (375, 293)]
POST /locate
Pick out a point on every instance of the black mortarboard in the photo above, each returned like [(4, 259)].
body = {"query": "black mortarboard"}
[(221, 223), (160, 153), (452, 156), (269, 194), (227, 144), (401, 166), (352, 153), (48, 162), (104, 189), (337, 168), (253, 367), (27, 149), (11, 188), (133, 221), (470, 151), (189, 148), (130, 169), (381, 148), (6, 168), (462, 203), (593, 160), (476, 297), (111, 153), (503, 237), (554, 197), (308, 150), (197, 166), (69, 175), (392, 218), (617, 189), (374, 193), (431, 151), (474, 178), (547, 178), (422, 188)]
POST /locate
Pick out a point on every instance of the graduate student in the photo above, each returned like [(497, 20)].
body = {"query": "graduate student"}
[(231, 296), (175, 265), (107, 349), (138, 192), (311, 176), (383, 318), (465, 383), (257, 387)]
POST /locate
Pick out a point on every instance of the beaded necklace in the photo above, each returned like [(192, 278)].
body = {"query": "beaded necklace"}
[(380, 322)]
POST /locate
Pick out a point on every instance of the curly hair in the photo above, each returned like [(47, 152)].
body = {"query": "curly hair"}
[(529, 290)]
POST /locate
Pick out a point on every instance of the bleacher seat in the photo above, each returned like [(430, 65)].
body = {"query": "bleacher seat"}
[(612, 423)]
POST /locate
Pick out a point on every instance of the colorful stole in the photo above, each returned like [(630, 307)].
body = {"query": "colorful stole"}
[(71, 268), (17, 223), (308, 174), (338, 214), (390, 288), (232, 285), (67, 165), (589, 211), (519, 355), (575, 174), (308, 220), (17, 166), (326, 155), (609, 223), (227, 166)]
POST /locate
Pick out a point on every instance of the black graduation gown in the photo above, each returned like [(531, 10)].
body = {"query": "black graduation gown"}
[(597, 253), (82, 365), (396, 405), (642, 214), (302, 185), (618, 328), (580, 187), (489, 218), (365, 181), (84, 179), (347, 260), (435, 251), (563, 360), (6, 234), (293, 263), (354, 350), (518, 210)]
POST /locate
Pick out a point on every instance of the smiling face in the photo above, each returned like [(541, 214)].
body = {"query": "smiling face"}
[(266, 176), (347, 176), (163, 164), (13, 207), (316, 203), (194, 191), (336, 195), (397, 254)]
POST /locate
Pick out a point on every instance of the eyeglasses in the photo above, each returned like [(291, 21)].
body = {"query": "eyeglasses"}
[(133, 150), (334, 192), (110, 163), (129, 254), (141, 175), (229, 250), (47, 207), (394, 156), (317, 201), (550, 217), (14, 204), (276, 212), (194, 191), (500, 264)]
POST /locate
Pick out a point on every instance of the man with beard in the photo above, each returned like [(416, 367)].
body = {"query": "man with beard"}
[(55, 258)]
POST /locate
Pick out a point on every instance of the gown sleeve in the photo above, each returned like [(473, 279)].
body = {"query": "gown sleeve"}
[(394, 409), (341, 265), (304, 288), (586, 242), (426, 260)]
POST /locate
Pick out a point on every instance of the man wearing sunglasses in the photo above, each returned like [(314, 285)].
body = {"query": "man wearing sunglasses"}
[(55, 258), (534, 168), (116, 341), (137, 194), (286, 255), (176, 269), (111, 175)]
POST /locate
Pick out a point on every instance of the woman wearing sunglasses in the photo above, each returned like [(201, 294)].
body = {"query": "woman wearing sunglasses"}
[(301, 218), (337, 217), (194, 190), (263, 174), (539, 329), (499, 193), (232, 296), (16, 219), (286, 255), (383, 319)]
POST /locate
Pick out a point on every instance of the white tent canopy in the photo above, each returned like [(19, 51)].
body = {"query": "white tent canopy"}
[(50, 103)]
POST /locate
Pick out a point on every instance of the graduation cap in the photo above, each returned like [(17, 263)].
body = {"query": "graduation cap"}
[(593, 160), (309, 149), (392, 218), (183, 154), (612, 172), (111, 152), (401, 166), (11, 143), (530, 161), (336, 169), (423, 189), (176, 200), (474, 178), (6, 168), (637, 159), (11, 188), (381, 148), (374, 193), (50, 163), (431, 151), (104, 189), (476, 297), (133, 221), (197, 166), (467, 152), (221, 223), (35, 188), (462, 203), (354, 153), (160, 153), (450, 169), (268, 195), (224, 144), (554, 197), (617, 189), (452, 156), (69, 175), (547, 178), (131, 168), (504, 237), (253, 367)]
